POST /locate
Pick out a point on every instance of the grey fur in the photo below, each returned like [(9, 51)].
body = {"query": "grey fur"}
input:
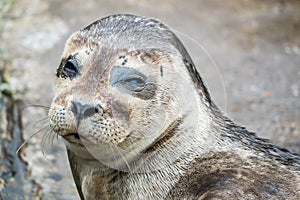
[(216, 160)]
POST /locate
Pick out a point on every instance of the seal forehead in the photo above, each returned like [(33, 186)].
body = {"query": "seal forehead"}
[(128, 31), (117, 24)]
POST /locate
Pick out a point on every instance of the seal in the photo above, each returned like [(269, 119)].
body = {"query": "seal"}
[(139, 123)]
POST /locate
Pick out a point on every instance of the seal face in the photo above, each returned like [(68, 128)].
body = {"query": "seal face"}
[(139, 123), (120, 90)]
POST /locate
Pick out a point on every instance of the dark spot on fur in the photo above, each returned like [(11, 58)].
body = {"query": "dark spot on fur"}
[(171, 131), (150, 57), (125, 61)]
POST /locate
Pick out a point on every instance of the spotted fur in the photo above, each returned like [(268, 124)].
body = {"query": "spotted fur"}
[(153, 132)]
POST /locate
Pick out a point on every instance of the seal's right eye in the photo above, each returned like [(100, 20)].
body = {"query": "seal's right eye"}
[(68, 68)]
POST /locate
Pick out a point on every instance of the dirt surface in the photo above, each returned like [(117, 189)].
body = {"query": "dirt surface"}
[(254, 44)]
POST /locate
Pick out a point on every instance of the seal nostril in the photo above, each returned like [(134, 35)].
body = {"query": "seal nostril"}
[(76, 108), (98, 108), (85, 110)]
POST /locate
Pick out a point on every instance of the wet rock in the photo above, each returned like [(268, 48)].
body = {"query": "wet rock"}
[(15, 181)]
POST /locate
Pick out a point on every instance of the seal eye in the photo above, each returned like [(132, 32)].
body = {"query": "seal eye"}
[(128, 78), (135, 81), (131, 81), (135, 84), (70, 69)]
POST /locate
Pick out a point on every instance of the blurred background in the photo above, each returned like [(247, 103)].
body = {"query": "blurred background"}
[(249, 48)]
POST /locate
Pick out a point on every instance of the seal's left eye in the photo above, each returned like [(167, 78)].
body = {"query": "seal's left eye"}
[(131, 81), (135, 81), (128, 78)]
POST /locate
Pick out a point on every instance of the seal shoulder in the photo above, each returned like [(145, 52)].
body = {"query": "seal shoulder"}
[(227, 175)]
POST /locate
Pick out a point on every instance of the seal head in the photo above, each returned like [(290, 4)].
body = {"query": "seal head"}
[(139, 123)]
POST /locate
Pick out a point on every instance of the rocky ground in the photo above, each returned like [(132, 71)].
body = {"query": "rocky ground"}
[(254, 75)]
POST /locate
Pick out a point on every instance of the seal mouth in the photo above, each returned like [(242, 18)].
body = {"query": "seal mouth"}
[(73, 138), (75, 135)]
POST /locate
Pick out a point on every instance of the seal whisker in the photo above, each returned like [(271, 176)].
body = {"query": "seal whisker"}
[(36, 105), (113, 153), (39, 121), (51, 138), (124, 159), (46, 137), (56, 136), (34, 134)]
